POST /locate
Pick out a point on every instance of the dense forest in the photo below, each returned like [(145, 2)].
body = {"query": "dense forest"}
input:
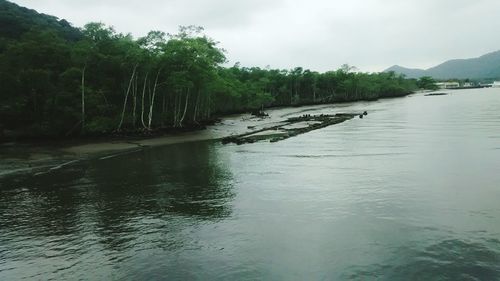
[(57, 80)]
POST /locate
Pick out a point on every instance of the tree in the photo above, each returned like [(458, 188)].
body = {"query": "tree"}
[(427, 83), (53, 82)]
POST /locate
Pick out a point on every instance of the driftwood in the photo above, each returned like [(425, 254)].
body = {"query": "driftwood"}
[(292, 127)]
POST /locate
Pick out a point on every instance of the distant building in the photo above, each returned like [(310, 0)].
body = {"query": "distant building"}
[(467, 85), (496, 84), (448, 85)]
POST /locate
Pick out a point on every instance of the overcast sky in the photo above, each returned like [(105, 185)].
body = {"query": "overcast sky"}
[(315, 34)]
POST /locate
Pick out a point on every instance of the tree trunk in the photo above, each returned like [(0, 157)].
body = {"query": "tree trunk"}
[(83, 98), (176, 107), (208, 107), (196, 106), (142, 106), (126, 98), (134, 107), (185, 109), (166, 104), (152, 103)]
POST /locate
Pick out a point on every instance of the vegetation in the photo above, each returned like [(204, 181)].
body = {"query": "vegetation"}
[(427, 83), (57, 80)]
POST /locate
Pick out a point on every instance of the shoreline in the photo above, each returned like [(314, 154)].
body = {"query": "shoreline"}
[(46, 156), (228, 125), (161, 136), (34, 151)]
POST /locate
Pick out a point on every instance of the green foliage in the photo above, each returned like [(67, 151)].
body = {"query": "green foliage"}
[(427, 83), (16, 20), (47, 74)]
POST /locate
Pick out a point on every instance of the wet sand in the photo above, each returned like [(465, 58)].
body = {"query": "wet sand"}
[(230, 125)]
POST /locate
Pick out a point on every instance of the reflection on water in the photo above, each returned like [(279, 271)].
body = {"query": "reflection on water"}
[(409, 193), (102, 207)]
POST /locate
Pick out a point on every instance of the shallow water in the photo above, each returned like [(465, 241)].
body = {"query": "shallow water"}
[(412, 192)]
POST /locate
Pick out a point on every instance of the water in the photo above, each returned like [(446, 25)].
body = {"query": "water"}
[(410, 193)]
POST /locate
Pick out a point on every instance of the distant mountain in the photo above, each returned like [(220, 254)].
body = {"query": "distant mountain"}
[(409, 72), (486, 66)]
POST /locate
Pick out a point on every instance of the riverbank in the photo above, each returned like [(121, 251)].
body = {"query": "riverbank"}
[(218, 128), (226, 126), (229, 125), (38, 156), (44, 156)]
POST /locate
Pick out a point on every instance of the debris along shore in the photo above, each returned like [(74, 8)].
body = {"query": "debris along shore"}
[(292, 127)]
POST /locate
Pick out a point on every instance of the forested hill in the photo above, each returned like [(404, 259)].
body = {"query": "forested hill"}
[(56, 80), (16, 21), (483, 67)]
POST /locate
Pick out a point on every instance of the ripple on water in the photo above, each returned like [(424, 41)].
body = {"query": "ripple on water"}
[(449, 259), (408, 193)]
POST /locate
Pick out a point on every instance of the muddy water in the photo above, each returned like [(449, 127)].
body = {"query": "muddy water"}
[(410, 193)]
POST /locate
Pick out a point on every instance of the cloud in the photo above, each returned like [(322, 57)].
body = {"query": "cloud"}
[(316, 34)]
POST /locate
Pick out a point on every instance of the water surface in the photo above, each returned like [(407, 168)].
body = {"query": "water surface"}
[(410, 193)]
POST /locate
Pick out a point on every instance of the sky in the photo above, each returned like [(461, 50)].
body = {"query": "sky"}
[(320, 35)]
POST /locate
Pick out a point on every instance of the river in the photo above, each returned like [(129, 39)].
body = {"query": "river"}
[(411, 192)]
